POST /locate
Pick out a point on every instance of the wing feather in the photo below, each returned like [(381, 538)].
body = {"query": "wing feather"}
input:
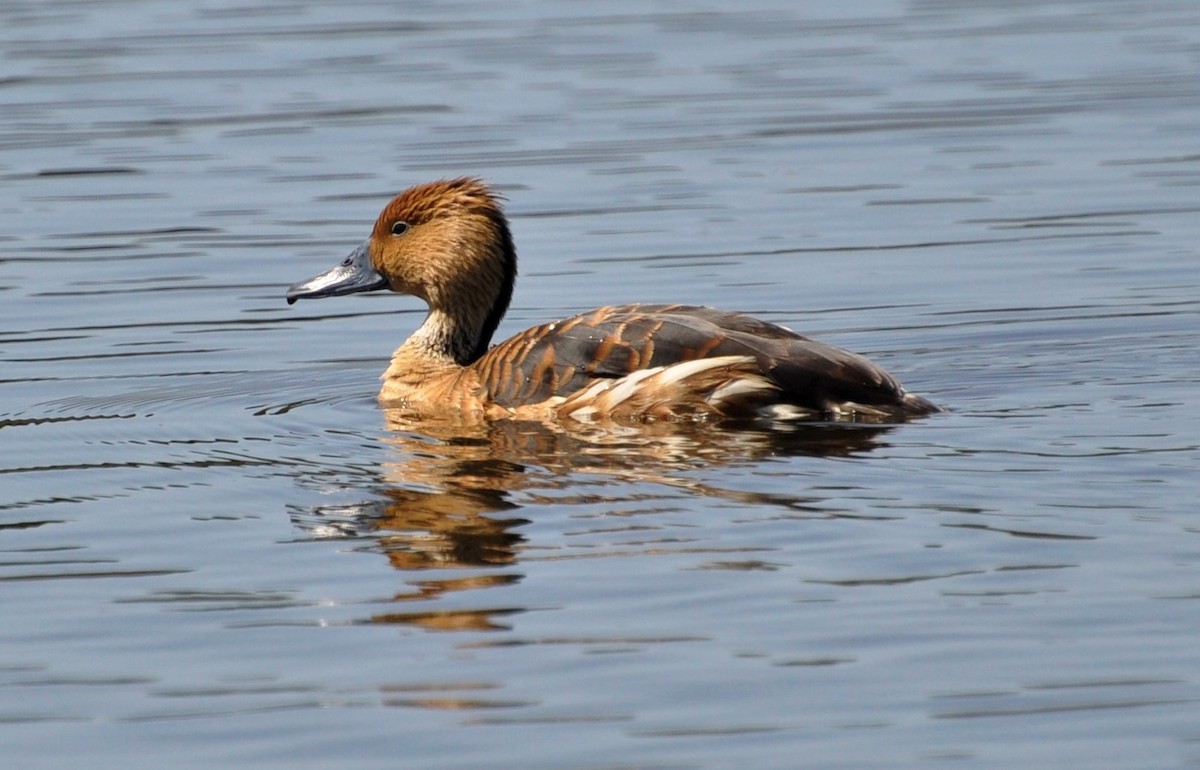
[(562, 358)]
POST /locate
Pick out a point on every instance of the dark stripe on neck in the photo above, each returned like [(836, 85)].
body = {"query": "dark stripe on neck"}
[(508, 277)]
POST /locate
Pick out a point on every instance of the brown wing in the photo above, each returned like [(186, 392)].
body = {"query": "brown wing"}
[(560, 358)]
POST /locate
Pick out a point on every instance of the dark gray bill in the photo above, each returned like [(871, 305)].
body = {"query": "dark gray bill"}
[(353, 275)]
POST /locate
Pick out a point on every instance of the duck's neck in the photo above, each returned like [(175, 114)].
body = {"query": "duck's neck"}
[(448, 339), (425, 370)]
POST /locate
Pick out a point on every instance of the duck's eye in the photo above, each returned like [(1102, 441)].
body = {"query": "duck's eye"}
[(399, 228)]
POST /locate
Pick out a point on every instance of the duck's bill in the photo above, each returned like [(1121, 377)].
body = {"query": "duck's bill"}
[(353, 275)]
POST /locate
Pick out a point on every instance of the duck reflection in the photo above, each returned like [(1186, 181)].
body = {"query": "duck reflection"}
[(449, 498)]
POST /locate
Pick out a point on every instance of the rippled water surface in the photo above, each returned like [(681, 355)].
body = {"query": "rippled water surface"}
[(215, 551)]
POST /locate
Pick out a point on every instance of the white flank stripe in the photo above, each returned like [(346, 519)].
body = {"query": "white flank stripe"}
[(742, 386)]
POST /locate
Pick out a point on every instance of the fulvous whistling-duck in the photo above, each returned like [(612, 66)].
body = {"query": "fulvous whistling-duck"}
[(448, 243)]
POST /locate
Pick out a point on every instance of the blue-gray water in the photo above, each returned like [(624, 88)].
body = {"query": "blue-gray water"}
[(215, 553)]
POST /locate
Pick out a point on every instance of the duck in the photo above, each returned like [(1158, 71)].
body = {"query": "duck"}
[(448, 243)]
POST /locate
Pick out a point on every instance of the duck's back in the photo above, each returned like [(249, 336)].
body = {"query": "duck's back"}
[(559, 359)]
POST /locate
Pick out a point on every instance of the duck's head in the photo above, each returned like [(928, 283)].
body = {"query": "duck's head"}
[(446, 242)]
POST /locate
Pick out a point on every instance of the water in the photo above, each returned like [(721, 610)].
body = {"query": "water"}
[(216, 551)]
